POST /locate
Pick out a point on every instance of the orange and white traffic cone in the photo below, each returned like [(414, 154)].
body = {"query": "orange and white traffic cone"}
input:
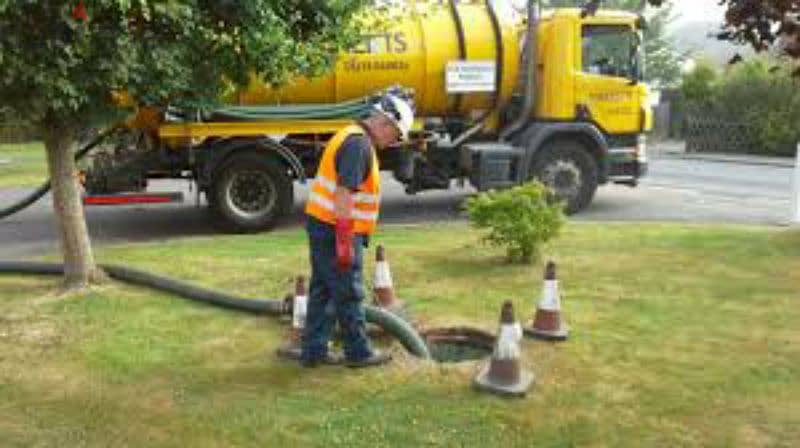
[(504, 375), (547, 323), (294, 346), (383, 286)]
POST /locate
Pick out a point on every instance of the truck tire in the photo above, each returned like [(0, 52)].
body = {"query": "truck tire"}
[(250, 192), (568, 169)]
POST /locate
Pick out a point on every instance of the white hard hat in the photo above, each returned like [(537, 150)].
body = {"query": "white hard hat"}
[(399, 111)]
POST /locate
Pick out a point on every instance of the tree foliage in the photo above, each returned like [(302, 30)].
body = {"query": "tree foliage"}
[(56, 63), (759, 93), (697, 86), (60, 61), (763, 24)]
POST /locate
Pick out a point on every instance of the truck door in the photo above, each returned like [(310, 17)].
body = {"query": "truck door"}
[(607, 85)]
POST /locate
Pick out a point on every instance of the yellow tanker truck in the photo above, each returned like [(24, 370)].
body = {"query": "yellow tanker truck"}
[(502, 97)]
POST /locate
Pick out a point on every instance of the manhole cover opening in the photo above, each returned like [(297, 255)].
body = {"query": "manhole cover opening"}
[(459, 344)]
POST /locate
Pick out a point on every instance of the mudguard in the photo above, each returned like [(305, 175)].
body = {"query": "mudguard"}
[(218, 151), (536, 135)]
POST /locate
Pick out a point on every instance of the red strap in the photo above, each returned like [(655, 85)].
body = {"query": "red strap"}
[(344, 244), (79, 12)]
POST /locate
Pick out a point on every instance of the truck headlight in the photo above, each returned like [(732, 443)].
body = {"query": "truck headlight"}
[(641, 148)]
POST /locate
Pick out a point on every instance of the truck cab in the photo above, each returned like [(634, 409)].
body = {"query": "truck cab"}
[(591, 73), (591, 112)]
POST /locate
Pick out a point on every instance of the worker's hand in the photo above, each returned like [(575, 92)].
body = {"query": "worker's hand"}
[(345, 253)]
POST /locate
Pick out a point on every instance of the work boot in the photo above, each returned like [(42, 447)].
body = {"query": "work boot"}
[(334, 359), (377, 358), (331, 359)]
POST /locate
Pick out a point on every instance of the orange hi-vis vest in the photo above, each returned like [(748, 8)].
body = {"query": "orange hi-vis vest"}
[(320, 203)]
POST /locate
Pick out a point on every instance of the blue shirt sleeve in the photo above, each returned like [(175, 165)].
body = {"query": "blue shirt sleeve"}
[(353, 161)]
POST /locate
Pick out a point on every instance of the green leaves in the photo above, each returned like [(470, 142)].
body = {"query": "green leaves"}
[(759, 93), (161, 51), (521, 219)]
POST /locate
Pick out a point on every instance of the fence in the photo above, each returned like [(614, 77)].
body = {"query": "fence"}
[(711, 134)]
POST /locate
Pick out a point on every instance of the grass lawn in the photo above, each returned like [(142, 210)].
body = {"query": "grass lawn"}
[(682, 336), (27, 167)]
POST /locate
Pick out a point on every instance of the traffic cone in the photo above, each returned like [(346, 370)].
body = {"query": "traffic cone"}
[(292, 348), (383, 287), (547, 323), (504, 375), (287, 307)]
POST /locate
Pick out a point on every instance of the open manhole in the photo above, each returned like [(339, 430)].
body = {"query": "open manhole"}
[(458, 344)]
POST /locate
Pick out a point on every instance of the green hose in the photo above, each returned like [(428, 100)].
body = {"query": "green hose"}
[(353, 109), (391, 323)]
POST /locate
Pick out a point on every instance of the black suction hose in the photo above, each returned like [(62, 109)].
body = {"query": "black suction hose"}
[(477, 125), (499, 48), (390, 322), (37, 194), (462, 46), (530, 66), (192, 292)]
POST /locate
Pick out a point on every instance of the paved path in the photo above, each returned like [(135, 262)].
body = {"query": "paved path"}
[(677, 189)]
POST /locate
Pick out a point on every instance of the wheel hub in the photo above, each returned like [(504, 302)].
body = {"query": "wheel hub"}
[(563, 177), (251, 193)]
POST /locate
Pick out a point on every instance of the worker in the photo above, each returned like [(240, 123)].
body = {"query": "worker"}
[(342, 211)]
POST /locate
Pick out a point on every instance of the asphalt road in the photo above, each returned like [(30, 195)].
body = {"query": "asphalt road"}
[(676, 189)]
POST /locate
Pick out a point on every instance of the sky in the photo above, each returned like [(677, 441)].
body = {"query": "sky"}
[(698, 10)]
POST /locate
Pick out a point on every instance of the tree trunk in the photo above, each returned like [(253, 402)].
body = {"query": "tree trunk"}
[(79, 265)]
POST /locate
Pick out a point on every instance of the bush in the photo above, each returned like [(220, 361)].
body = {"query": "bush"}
[(760, 94), (698, 85), (521, 219)]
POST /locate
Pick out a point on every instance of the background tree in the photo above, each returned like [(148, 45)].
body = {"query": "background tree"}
[(698, 85), (61, 59), (763, 23)]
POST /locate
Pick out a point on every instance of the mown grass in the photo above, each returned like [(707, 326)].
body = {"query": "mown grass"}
[(27, 165), (682, 336)]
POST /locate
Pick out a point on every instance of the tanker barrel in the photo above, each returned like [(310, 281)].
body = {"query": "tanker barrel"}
[(414, 52)]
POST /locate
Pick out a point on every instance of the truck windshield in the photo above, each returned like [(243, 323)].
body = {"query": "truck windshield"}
[(611, 50)]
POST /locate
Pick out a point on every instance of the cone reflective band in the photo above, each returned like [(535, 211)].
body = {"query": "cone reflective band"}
[(504, 368), (504, 375), (299, 309), (550, 300), (548, 316), (547, 322), (383, 285), (299, 312), (508, 341), (796, 192), (292, 347)]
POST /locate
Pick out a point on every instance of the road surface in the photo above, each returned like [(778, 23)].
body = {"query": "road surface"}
[(675, 190)]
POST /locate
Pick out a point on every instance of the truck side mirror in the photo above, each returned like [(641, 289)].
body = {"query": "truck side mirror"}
[(636, 62)]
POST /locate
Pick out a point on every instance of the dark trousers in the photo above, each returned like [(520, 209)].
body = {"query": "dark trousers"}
[(333, 296)]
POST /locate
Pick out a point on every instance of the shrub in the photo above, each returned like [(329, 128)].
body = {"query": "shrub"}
[(760, 94), (521, 219), (763, 95), (698, 85)]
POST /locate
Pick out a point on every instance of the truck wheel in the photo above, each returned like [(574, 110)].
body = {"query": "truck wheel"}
[(250, 192), (567, 168)]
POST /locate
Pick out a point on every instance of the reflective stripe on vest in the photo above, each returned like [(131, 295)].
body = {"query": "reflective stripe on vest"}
[(366, 201)]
